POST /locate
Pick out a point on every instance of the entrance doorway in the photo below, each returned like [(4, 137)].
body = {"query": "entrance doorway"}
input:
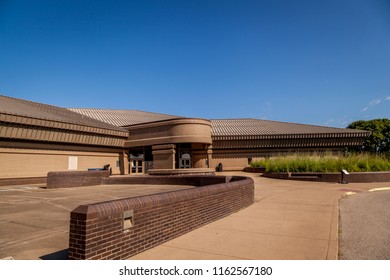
[(184, 155), (136, 164), (185, 161), (140, 160)]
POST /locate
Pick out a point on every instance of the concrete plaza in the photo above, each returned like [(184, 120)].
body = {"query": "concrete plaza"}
[(289, 220)]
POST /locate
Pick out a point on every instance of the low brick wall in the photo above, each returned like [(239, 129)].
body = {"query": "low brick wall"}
[(353, 177), (22, 181), (122, 228), (193, 180), (254, 169), (182, 171), (67, 179)]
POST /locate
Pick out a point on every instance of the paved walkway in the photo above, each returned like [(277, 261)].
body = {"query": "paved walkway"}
[(34, 222), (289, 220), (365, 226)]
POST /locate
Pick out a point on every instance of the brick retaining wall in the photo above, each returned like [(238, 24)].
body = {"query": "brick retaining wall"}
[(353, 177), (254, 169), (22, 181), (97, 230), (67, 179), (193, 180)]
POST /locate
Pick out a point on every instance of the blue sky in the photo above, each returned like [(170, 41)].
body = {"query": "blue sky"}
[(314, 62)]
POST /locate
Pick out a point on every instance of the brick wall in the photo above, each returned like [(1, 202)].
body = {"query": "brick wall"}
[(192, 180), (353, 177), (67, 179), (254, 169), (97, 230), (22, 181)]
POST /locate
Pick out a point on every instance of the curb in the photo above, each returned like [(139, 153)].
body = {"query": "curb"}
[(380, 189)]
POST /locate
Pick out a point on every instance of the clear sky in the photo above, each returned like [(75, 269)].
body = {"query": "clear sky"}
[(315, 62)]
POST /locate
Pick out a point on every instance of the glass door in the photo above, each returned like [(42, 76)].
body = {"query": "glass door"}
[(136, 163), (185, 161)]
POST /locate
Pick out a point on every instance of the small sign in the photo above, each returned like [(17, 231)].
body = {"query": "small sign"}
[(345, 172), (72, 165)]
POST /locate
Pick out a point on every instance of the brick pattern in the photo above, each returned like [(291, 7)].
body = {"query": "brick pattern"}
[(67, 179), (254, 169), (96, 230), (193, 180), (353, 177), (22, 181)]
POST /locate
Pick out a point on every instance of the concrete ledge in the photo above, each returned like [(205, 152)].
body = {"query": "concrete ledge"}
[(7, 259), (121, 228), (188, 171), (67, 179), (353, 177)]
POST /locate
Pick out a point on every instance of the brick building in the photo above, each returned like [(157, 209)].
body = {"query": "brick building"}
[(37, 138)]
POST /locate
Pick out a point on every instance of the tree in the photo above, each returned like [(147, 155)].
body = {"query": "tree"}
[(379, 140)]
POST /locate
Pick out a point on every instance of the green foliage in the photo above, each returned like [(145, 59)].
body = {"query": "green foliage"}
[(325, 163), (379, 140)]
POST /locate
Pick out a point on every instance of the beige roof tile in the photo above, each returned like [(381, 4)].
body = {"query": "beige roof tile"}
[(23, 108), (255, 127), (123, 117)]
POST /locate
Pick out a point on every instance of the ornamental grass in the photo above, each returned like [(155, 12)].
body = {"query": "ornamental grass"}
[(363, 162)]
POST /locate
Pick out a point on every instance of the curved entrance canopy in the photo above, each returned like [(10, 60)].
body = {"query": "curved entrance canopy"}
[(175, 143), (174, 131)]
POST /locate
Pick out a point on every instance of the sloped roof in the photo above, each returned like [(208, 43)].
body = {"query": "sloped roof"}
[(255, 127), (27, 110), (123, 117), (114, 121)]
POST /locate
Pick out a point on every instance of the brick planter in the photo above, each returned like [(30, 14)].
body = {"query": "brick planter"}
[(122, 228), (254, 169), (353, 177), (67, 179), (22, 181)]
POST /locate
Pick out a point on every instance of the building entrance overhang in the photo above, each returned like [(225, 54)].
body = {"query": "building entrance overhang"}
[(173, 131)]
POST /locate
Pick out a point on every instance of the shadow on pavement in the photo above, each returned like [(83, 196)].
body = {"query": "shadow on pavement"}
[(59, 255)]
